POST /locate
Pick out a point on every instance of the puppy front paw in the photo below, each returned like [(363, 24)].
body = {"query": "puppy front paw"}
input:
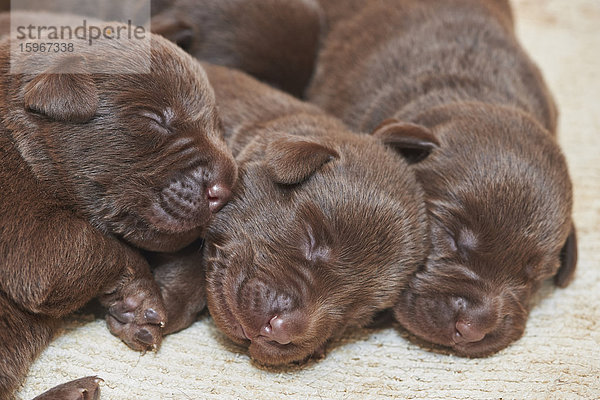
[(81, 389), (136, 314)]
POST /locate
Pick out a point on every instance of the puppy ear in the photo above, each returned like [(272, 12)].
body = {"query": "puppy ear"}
[(318, 241), (568, 260), (169, 25), (414, 142), (292, 159), (68, 97)]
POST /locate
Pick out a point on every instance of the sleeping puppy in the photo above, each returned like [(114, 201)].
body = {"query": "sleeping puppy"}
[(94, 166), (323, 230), (279, 47), (498, 192)]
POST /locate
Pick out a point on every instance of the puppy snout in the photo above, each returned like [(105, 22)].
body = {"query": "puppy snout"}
[(184, 196), (184, 202), (218, 195), (220, 182), (271, 315)]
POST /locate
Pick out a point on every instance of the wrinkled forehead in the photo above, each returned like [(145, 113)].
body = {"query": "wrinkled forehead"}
[(507, 232), (174, 98), (517, 219), (472, 281), (252, 216), (496, 245)]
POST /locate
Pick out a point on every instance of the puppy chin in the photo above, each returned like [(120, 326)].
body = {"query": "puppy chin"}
[(274, 354), (153, 240), (163, 231), (171, 220)]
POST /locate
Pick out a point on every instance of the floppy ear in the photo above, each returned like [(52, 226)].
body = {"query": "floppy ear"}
[(292, 159), (169, 25), (71, 97), (568, 260), (318, 241), (414, 142)]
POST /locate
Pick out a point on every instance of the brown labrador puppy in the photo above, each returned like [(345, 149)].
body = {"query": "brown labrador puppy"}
[(497, 190), (324, 228), (94, 165)]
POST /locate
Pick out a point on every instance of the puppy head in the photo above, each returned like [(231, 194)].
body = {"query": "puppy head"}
[(140, 155), (320, 235), (499, 199)]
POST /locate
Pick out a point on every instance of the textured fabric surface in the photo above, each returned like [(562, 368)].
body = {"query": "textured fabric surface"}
[(558, 357)]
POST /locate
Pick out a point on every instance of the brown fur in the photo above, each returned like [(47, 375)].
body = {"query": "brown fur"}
[(80, 389), (497, 189), (91, 168), (181, 279), (280, 48), (324, 228)]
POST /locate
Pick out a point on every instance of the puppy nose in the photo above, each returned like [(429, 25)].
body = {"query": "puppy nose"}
[(284, 328), (218, 196), (474, 320), (277, 329), (467, 332)]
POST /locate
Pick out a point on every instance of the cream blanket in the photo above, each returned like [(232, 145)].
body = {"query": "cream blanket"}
[(558, 358)]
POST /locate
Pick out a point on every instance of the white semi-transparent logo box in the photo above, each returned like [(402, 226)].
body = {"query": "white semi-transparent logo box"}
[(110, 36)]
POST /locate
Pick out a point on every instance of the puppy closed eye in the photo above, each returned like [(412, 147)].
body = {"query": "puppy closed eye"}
[(158, 122), (461, 243), (444, 237)]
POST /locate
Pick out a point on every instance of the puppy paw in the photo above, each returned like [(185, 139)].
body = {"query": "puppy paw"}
[(136, 314), (81, 389)]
